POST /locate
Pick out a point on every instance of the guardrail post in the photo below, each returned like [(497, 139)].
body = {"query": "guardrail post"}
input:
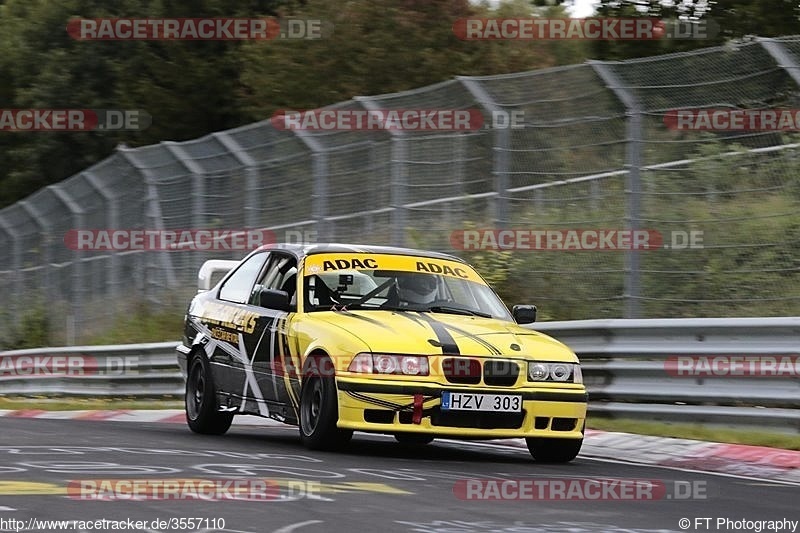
[(633, 182)]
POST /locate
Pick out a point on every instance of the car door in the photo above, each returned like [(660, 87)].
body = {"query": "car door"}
[(232, 325), (271, 362)]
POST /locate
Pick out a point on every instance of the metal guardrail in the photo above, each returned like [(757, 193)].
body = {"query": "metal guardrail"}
[(135, 370), (625, 370), (623, 363)]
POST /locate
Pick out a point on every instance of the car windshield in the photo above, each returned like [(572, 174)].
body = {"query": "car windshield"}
[(407, 284)]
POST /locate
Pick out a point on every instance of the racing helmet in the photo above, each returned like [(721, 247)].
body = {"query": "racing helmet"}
[(417, 288)]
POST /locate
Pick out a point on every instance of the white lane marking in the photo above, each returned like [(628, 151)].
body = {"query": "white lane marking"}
[(4, 508), (618, 461), (298, 525)]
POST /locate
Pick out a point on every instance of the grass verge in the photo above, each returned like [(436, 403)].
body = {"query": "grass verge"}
[(77, 404), (698, 432)]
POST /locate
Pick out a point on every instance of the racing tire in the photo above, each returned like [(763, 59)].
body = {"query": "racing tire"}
[(413, 439), (202, 411), (319, 412), (549, 450)]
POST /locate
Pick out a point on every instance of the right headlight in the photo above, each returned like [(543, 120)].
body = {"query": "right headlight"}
[(555, 372)]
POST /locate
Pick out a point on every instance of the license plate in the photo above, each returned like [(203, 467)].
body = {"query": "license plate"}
[(470, 401)]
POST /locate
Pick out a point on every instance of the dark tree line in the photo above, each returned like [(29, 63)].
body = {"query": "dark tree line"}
[(193, 88)]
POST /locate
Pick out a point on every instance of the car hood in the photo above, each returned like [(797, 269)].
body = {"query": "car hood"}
[(437, 333)]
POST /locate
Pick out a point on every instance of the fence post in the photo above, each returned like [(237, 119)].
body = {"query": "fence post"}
[(501, 150), (153, 212), (16, 267), (320, 191), (45, 228), (250, 177), (399, 217), (78, 277), (633, 183), (782, 57), (112, 222)]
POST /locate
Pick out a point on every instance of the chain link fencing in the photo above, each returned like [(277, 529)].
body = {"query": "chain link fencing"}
[(592, 151)]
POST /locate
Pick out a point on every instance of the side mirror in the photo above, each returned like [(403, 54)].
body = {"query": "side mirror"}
[(274, 299), (524, 314)]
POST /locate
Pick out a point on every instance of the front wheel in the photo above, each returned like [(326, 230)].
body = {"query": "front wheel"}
[(202, 411), (549, 450), (319, 412)]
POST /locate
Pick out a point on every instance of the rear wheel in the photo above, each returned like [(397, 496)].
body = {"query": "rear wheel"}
[(548, 450), (202, 411), (413, 439), (319, 412)]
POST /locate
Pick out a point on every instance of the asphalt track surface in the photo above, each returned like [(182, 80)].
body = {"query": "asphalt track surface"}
[(376, 485)]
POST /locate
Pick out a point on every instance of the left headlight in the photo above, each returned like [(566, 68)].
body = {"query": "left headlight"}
[(384, 363), (555, 372)]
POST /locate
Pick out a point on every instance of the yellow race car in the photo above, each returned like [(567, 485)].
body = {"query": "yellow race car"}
[(339, 338)]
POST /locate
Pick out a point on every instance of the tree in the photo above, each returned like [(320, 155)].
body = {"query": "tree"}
[(382, 46), (189, 88), (725, 20)]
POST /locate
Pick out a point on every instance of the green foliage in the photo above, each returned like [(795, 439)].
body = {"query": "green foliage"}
[(195, 88), (30, 331), (383, 46), (141, 324), (724, 20), (745, 206), (189, 88)]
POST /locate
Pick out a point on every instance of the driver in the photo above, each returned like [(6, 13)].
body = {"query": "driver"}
[(417, 288)]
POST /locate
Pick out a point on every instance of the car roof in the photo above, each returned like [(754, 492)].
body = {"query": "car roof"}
[(302, 250)]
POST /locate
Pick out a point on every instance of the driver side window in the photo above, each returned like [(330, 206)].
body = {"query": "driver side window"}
[(238, 286), (280, 273)]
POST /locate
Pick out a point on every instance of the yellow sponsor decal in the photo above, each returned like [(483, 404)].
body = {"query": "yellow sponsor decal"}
[(228, 316), (225, 335), (321, 263)]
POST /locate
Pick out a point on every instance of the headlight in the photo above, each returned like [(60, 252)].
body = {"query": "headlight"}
[(538, 371), (558, 372), (383, 363)]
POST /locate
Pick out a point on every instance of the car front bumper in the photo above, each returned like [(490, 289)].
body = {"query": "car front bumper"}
[(388, 407)]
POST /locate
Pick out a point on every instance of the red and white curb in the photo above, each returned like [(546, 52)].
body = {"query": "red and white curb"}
[(734, 459)]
